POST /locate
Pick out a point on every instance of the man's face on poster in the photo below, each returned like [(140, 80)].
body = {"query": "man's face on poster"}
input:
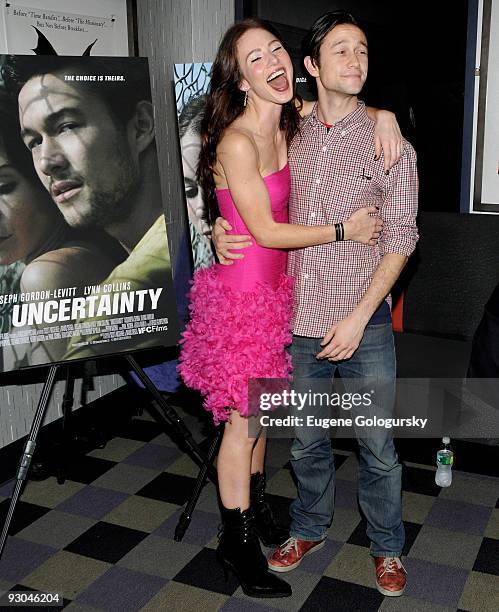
[(83, 157)]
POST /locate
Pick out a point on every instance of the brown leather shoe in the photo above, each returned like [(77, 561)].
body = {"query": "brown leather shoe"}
[(391, 576), (289, 554)]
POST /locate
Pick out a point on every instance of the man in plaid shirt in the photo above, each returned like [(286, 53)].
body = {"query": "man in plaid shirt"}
[(342, 318)]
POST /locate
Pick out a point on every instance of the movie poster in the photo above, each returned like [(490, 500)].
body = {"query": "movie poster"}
[(71, 27), (191, 86), (81, 214), (489, 112)]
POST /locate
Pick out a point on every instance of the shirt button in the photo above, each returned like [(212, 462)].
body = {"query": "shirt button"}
[(343, 132), (317, 180), (312, 214), (305, 276), (324, 149)]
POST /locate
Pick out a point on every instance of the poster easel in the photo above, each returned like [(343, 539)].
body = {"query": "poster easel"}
[(163, 413)]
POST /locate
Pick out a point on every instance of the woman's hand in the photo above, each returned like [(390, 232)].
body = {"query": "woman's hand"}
[(363, 226), (223, 242), (388, 138)]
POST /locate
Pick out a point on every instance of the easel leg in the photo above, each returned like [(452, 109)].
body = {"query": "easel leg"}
[(67, 407), (172, 419), (186, 516), (29, 449)]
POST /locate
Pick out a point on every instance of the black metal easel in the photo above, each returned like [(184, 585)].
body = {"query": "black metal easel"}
[(160, 409)]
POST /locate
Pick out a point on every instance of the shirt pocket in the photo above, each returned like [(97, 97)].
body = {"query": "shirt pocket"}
[(349, 191)]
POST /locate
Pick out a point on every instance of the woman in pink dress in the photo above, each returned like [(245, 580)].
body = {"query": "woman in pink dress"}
[(240, 314)]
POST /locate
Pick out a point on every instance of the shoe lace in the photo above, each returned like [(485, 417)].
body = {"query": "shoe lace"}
[(288, 545), (391, 565), (244, 529), (261, 505)]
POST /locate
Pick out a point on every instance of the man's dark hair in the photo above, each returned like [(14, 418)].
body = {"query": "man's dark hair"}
[(120, 97), (313, 39)]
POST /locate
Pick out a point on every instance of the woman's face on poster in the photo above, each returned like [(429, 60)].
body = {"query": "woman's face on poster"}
[(25, 215), (190, 145)]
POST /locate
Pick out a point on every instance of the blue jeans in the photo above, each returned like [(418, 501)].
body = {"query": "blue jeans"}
[(380, 473)]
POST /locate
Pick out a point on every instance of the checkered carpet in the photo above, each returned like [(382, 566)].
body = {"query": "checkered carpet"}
[(104, 539)]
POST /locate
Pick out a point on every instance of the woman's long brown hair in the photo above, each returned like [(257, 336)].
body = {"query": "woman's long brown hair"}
[(225, 102)]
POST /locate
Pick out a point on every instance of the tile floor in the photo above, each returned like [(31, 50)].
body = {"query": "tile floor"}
[(104, 539)]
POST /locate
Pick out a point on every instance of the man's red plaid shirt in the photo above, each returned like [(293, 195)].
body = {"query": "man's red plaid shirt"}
[(334, 173)]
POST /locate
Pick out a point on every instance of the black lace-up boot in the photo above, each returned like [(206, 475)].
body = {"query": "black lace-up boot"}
[(269, 532), (239, 550)]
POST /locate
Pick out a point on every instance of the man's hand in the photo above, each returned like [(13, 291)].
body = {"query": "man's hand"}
[(387, 138), (343, 339), (223, 242), (363, 226)]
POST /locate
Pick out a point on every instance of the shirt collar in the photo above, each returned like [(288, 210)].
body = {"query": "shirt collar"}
[(352, 120)]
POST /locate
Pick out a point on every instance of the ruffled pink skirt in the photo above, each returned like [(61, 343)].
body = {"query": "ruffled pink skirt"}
[(232, 337)]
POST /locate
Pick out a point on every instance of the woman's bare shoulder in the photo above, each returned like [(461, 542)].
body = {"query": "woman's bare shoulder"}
[(237, 146), (68, 266), (238, 140)]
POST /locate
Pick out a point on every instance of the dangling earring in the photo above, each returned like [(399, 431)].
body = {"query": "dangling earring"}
[(245, 98)]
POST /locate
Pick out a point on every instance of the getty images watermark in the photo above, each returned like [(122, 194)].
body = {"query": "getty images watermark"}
[(298, 401), (410, 407)]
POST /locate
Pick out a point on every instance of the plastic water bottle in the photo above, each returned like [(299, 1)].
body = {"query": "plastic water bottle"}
[(445, 459)]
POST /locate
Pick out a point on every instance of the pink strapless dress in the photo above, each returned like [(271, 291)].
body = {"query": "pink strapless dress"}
[(240, 315)]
